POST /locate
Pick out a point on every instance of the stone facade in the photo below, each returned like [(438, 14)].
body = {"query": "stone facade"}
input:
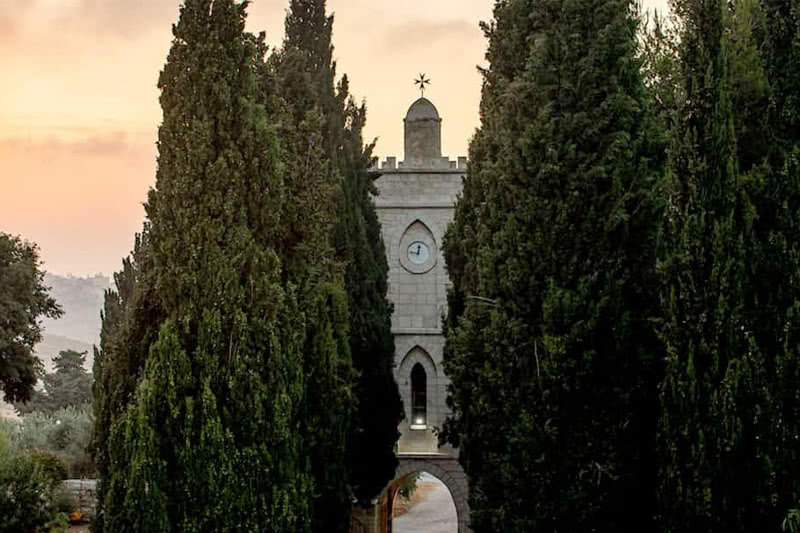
[(415, 203)]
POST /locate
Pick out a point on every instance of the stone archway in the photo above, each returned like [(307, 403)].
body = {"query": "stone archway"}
[(447, 470)]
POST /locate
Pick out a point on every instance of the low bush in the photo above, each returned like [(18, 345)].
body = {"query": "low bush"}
[(59, 437), (27, 497)]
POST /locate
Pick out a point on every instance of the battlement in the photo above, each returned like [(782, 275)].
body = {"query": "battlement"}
[(438, 163)]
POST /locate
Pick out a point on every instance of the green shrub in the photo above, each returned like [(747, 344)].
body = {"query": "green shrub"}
[(58, 524), (49, 464), (63, 435), (26, 501)]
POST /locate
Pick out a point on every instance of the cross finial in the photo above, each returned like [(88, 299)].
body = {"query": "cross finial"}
[(422, 81)]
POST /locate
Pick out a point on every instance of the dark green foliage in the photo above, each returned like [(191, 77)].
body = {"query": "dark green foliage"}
[(304, 71), (771, 422), (206, 317), (29, 489), (705, 466), (50, 465), (130, 321), (359, 243), (550, 347), (307, 77), (23, 302), (245, 392), (69, 386)]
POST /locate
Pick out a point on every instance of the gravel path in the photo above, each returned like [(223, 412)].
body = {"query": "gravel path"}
[(435, 514)]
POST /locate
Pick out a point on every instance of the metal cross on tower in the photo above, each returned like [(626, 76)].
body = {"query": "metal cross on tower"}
[(422, 81)]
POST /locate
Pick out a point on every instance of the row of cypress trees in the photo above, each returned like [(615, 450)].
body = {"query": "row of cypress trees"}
[(623, 329), (244, 376)]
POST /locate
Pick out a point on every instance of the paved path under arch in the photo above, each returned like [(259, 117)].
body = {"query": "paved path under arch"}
[(435, 514)]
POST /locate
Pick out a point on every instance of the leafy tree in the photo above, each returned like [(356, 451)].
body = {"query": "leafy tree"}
[(23, 302), (69, 386), (211, 439), (550, 347)]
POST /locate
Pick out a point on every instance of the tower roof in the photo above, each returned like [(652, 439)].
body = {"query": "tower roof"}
[(422, 109)]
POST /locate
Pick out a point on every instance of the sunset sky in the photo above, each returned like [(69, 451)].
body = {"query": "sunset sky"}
[(79, 105)]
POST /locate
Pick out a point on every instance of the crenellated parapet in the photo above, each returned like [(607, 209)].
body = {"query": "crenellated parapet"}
[(439, 163)]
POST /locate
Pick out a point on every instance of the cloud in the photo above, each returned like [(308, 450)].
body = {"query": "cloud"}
[(8, 27), (109, 144), (122, 18), (414, 35), (80, 200)]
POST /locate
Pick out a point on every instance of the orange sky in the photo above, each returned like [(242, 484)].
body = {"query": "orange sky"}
[(79, 105)]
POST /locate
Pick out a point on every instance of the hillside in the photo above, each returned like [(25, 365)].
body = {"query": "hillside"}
[(82, 301)]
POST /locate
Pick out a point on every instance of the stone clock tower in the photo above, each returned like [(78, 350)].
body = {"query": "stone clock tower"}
[(415, 203)]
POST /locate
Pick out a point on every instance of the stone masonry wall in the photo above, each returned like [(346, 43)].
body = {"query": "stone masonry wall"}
[(422, 203)]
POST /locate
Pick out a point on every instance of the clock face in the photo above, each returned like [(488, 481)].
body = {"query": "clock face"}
[(418, 253)]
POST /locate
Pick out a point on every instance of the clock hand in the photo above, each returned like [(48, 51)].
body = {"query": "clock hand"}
[(419, 248)]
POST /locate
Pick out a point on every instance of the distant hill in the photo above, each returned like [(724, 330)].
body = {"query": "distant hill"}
[(82, 301)]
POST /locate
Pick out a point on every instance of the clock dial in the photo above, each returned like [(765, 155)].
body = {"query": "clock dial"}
[(418, 253)]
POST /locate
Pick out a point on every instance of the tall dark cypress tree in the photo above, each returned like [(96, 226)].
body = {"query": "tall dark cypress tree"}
[(130, 320), (774, 293), (308, 76), (211, 439), (360, 245), (550, 347), (706, 392), (302, 69)]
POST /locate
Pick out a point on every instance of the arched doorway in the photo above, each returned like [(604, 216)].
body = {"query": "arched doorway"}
[(427, 506), (446, 470)]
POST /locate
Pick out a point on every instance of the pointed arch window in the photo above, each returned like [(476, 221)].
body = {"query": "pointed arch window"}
[(419, 397)]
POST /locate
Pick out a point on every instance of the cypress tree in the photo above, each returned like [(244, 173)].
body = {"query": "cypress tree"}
[(360, 245), (130, 320), (773, 302), (550, 349), (301, 68), (211, 439), (308, 75), (707, 390)]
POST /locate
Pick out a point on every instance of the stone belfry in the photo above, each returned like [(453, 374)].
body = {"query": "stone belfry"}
[(415, 203), (423, 136)]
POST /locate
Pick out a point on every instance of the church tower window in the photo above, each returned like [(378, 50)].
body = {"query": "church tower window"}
[(419, 399)]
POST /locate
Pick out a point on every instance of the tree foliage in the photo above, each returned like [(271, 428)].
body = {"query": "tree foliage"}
[(224, 381), (307, 74), (774, 294), (23, 302), (708, 217), (69, 386), (203, 316), (27, 501), (550, 350)]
